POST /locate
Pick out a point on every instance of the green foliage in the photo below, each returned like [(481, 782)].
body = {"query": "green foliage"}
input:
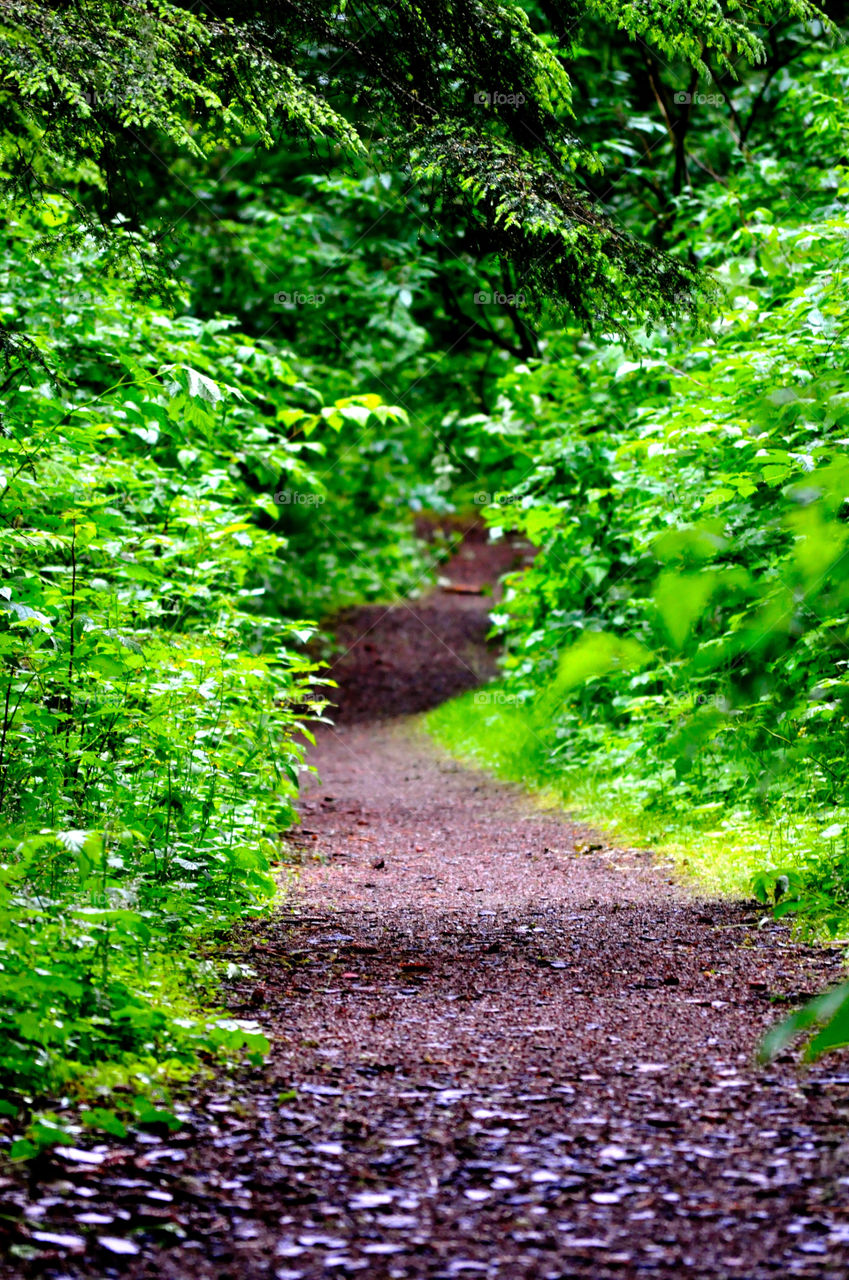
[(824, 1021), (465, 95), (678, 649), (693, 32), (84, 81), (196, 454), (153, 693)]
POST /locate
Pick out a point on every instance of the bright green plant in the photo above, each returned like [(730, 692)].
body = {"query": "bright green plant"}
[(679, 646), (153, 688)]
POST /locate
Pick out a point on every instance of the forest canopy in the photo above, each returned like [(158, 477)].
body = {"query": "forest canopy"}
[(472, 99)]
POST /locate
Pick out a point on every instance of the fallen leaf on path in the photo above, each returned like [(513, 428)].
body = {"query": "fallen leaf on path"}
[(369, 1200), (58, 1240), (117, 1245), (77, 1156)]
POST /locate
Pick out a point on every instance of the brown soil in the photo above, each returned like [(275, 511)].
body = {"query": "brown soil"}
[(408, 657), (493, 1054)]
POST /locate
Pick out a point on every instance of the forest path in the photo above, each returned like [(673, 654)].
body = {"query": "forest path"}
[(492, 1054), (517, 1060)]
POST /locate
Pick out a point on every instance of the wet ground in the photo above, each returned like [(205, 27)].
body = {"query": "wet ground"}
[(501, 1046)]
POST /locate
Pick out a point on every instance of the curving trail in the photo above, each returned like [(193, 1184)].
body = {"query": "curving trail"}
[(493, 1055)]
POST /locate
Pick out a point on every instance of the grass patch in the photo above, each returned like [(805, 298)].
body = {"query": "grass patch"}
[(111, 1066), (723, 849)]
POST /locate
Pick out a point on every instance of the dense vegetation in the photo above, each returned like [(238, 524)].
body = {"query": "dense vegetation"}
[(686, 616), (677, 655), (279, 278)]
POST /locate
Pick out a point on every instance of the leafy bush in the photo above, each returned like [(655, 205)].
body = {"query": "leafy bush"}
[(153, 689), (680, 643)]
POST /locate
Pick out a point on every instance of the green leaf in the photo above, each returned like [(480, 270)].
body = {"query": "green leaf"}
[(598, 654), (829, 1011), (681, 599), (104, 1120)]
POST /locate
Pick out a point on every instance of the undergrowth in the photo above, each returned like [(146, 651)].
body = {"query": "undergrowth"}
[(161, 487), (795, 861)]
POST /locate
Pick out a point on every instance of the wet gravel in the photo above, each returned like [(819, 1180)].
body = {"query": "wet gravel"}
[(502, 1047)]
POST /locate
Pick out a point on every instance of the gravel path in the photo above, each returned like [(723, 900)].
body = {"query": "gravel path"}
[(524, 1061), (502, 1048)]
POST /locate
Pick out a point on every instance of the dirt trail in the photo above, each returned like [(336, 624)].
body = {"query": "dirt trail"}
[(493, 1055)]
